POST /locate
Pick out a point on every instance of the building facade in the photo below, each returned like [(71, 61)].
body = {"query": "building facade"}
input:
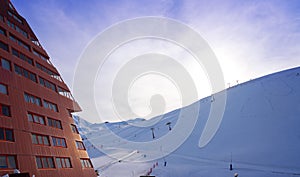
[(37, 131)]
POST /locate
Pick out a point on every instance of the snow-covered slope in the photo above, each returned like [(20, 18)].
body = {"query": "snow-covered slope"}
[(260, 132)]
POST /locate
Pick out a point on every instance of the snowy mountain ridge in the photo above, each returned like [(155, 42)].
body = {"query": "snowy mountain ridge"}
[(259, 133)]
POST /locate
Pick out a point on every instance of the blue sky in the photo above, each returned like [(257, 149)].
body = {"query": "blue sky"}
[(251, 38)]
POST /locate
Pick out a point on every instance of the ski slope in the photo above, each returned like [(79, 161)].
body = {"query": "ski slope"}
[(259, 133)]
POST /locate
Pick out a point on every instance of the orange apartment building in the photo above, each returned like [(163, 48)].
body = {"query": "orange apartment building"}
[(37, 132)]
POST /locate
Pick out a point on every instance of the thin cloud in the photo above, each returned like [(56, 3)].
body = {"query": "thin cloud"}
[(247, 36)]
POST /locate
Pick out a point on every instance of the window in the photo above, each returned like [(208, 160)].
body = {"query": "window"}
[(86, 163), (19, 42), (15, 27), (3, 89), (15, 52), (23, 72), (36, 118), (6, 134), (10, 6), (14, 16), (59, 142), (80, 145), (65, 93), (5, 64), (74, 129), (7, 161), (3, 46), (54, 123), (10, 24), (21, 31), (44, 162), (41, 56), (50, 106), (22, 56), (48, 71), (47, 84), (63, 162), (40, 139), (18, 70), (32, 99), (5, 110), (2, 31)]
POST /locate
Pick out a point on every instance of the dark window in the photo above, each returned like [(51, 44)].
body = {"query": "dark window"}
[(18, 29), (40, 56), (40, 139), (34, 139), (10, 24), (36, 118), (48, 71), (59, 142), (3, 46), (30, 117), (47, 84), (51, 163), (22, 56), (5, 64), (44, 162), (63, 162), (19, 42), (50, 106), (86, 163), (15, 53), (32, 77), (18, 70), (21, 31), (39, 162), (5, 110), (54, 123), (80, 145), (3, 89), (23, 72), (8, 161), (32, 99), (74, 129), (25, 58), (10, 6), (58, 162), (13, 15), (2, 31), (6, 134), (9, 135)]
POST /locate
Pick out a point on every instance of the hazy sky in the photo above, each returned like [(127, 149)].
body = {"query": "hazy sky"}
[(251, 38)]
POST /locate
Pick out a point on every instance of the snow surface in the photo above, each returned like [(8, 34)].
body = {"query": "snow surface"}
[(259, 131)]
